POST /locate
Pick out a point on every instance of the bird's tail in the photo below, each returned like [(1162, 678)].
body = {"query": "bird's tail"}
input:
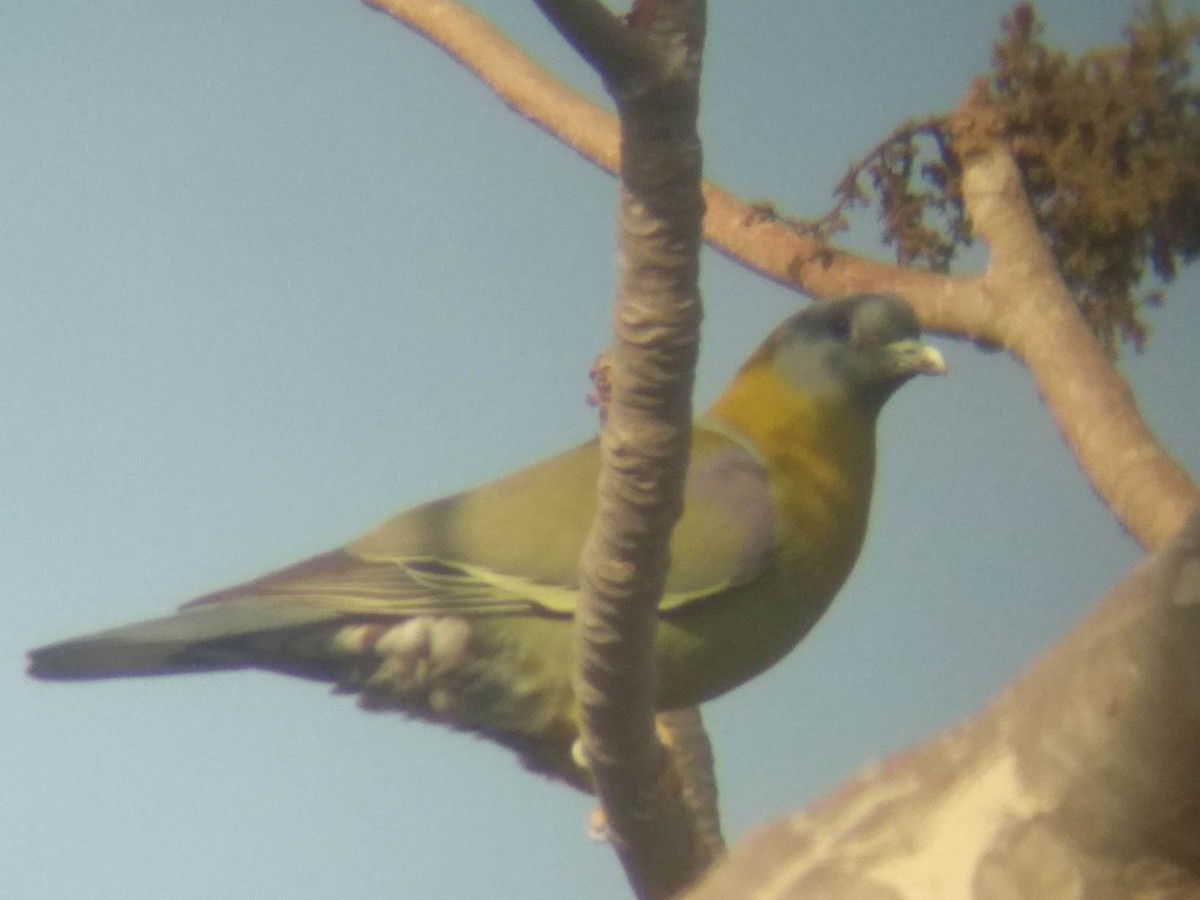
[(201, 638)]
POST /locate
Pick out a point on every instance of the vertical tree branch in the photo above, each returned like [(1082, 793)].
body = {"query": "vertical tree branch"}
[(653, 75), (692, 756)]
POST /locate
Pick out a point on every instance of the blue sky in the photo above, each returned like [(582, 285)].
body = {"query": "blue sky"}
[(272, 271)]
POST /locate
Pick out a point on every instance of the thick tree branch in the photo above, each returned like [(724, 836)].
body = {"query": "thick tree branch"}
[(1081, 780)]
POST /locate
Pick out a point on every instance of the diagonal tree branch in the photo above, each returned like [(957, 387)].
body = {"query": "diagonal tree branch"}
[(617, 53), (1031, 315), (732, 227), (519, 82)]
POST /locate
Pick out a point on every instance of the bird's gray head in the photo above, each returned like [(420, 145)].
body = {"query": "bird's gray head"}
[(864, 347)]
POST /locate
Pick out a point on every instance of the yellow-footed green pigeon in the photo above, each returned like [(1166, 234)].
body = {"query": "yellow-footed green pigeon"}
[(460, 611)]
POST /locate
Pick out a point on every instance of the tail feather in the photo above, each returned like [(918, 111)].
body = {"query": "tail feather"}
[(171, 645)]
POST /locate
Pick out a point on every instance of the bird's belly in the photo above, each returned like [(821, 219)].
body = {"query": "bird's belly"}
[(507, 678), (721, 643), (714, 644)]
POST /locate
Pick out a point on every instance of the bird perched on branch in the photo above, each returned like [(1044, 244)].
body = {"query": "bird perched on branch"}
[(460, 611)]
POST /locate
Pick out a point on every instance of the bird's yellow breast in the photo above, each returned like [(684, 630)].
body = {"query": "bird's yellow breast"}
[(819, 453)]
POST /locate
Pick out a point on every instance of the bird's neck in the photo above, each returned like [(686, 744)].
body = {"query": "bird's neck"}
[(780, 420), (819, 451)]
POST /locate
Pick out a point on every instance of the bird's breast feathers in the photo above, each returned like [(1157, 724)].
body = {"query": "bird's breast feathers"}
[(819, 456)]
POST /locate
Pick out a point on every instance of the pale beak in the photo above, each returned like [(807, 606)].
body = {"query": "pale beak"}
[(915, 358)]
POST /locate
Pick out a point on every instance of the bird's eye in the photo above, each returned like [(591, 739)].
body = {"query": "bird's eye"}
[(839, 327)]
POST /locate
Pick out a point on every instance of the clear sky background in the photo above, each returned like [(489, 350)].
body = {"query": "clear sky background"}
[(273, 270)]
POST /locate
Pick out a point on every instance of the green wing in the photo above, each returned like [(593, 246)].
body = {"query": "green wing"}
[(513, 545)]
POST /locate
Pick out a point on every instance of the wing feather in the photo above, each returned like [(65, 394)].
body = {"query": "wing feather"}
[(513, 546)]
